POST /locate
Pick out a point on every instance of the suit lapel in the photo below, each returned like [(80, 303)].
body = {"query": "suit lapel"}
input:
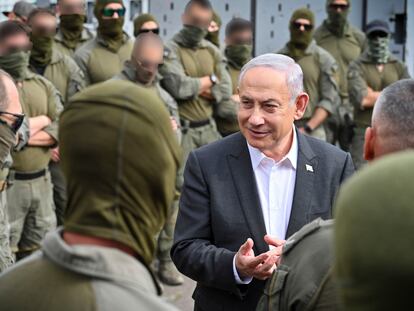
[(305, 175), (245, 183)]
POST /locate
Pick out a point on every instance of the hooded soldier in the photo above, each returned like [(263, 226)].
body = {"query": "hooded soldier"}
[(71, 33), (103, 57), (120, 186), (146, 23), (319, 70), (368, 75), (213, 34)]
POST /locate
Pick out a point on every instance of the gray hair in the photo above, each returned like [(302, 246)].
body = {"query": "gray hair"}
[(393, 116), (4, 95), (281, 63)]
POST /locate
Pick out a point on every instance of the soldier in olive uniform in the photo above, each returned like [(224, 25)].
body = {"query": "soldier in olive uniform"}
[(142, 69), (195, 74), (238, 51), (71, 33), (103, 57), (11, 121), (213, 34), (345, 43), (146, 23), (20, 11), (30, 200), (368, 75), (319, 70), (120, 187), (66, 76)]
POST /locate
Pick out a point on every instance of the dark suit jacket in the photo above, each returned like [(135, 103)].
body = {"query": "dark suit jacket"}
[(220, 208)]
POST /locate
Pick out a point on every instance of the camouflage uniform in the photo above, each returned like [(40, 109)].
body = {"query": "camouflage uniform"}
[(60, 44)]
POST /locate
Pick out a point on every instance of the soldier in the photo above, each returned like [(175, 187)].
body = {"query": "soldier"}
[(146, 23), (194, 74), (30, 200), (142, 69), (213, 34), (368, 75), (345, 43), (71, 33), (319, 69), (11, 120), (120, 159), (20, 12), (64, 73), (238, 51), (103, 57)]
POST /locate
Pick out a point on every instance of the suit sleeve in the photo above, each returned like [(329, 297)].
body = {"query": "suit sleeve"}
[(348, 168), (194, 252)]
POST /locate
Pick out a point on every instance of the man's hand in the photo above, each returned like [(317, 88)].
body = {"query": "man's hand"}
[(246, 262), (55, 155), (205, 84), (369, 100), (207, 95), (174, 124)]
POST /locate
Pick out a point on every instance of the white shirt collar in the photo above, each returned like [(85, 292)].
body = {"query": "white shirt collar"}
[(257, 156)]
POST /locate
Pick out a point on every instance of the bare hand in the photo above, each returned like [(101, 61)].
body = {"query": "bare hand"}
[(174, 124), (55, 155), (207, 95), (246, 262)]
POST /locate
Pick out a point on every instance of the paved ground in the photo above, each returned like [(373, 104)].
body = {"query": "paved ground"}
[(180, 296)]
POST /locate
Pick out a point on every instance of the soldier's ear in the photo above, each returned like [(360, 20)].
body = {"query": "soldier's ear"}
[(369, 144)]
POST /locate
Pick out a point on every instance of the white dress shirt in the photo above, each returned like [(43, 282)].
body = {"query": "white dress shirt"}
[(276, 187)]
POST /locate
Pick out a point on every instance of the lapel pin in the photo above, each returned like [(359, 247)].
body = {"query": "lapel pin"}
[(309, 168)]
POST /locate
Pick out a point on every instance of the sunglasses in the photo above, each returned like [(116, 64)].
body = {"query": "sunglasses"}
[(149, 65), (343, 7), (17, 122), (307, 27), (154, 30), (377, 34), (111, 12)]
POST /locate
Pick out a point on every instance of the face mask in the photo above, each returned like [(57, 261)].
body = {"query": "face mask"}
[(42, 49), (16, 64), (71, 27), (7, 140), (300, 39), (239, 54), (337, 21), (378, 49), (111, 28), (193, 35), (143, 75), (214, 38)]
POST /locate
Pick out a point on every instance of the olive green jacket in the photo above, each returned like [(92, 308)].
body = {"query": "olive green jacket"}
[(343, 49), (128, 73), (319, 70), (64, 74), (182, 70), (363, 73), (62, 47), (82, 278), (98, 63), (303, 281), (38, 97)]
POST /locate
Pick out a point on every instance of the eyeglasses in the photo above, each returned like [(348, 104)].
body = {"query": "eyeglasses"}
[(342, 7), (149, 65), (377, 34), (110, 12), (308, 27), (154, 30), (17, 120)]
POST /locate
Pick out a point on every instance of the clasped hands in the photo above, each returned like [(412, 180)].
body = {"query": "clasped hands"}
[(261, 266)]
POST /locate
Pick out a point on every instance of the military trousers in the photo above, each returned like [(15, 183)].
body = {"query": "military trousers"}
[(59, 191), (357, 147), (166, 236), (6, 257), (31, 212)]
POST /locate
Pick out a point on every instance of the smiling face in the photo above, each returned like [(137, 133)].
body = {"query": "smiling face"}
[(266, 112)]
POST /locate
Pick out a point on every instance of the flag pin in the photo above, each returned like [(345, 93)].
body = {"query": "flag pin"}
[(309, 168)]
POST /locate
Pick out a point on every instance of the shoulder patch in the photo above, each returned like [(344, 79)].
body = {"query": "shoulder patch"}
[(167, 52)]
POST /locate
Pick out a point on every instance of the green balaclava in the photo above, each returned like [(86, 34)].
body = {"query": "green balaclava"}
[(337, 21), (16, 64), (141, 20), (41, 53), (238, 54), (111, 30), (300, 40), (378, 49), (214, 37), (71, 26), (121, 176), (7, 141), (374, 236)]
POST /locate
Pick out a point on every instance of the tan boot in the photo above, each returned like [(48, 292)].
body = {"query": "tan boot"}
[(168, 274)]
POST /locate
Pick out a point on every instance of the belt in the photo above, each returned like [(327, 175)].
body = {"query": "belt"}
[(194, 124), (29, 176)]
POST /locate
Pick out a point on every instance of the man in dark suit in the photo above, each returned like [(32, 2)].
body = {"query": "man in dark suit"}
[(245, 194)]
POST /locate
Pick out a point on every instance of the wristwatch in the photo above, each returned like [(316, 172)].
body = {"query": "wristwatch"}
[(213, 79), (308, 129)]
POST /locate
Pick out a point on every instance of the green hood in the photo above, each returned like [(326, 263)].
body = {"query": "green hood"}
[(120, 157), (374, 236), (141, 20)]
